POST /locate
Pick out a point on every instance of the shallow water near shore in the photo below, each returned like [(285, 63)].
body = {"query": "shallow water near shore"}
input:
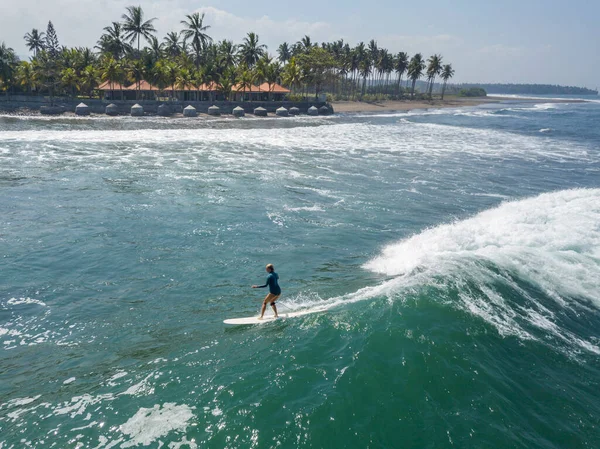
[(457, 252)]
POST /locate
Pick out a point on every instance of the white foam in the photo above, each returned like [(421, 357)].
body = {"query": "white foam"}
[(546, 106), (530, 97), (69, 380), (111, 382), (551, 241), (149, 424), (18, 402), (314, 208), (546, 237), (143, 387), (79, 404), (20, 301), (239, 147)]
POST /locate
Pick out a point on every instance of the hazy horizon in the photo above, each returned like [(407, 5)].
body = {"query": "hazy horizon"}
[(531, 42)]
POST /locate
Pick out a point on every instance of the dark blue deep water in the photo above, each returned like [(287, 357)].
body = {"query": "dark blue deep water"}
[(457, 252)]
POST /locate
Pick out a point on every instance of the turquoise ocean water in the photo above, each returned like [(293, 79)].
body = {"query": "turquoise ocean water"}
[(457, 253)]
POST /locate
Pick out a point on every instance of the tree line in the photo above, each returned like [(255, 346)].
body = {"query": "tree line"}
[(532, 89), (128, 52)]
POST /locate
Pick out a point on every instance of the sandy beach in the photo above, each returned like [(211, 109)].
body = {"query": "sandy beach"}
[(450, 102)]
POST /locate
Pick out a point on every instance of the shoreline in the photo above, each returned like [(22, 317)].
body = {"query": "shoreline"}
[(451, 102), (344, 107)]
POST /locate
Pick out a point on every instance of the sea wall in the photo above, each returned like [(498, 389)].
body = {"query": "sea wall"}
[(14, 103)]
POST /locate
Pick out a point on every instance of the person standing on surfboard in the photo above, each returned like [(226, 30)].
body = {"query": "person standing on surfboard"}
[(274, 290)]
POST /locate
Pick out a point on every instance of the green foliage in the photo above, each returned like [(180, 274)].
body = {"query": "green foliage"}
[(316, 65), (51, 46), (531, 89), (296, 97), (472, 92), (188, 58)]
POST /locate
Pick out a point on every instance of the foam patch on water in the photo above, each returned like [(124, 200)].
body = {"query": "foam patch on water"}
[(26, 301), (315, 208), (78, 405), (149, 424)]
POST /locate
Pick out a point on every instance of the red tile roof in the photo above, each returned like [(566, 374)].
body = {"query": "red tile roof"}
[(107, 86), (275, 88), (144, 85), (237, 88), (210, 87)]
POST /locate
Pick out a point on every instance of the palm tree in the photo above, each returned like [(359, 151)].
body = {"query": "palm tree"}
[(415, 71), (198, 79), (156, 48), (111, 71), (84, 57), (433, 69), (170, 73), (363, 67), (284, 53), (113, 41), (305, 44), (226, 52), (89, 79), (272, 72), (172, 47), (400, 66), (184, 79), (134, 70), (244, 80), (69, 78), (251, 51), (447, 73), (25, 76), (292, 75), (195, 30), (354, 67), (8, 61), (226, 81), (365, 71), (135, 27), (35, 41)]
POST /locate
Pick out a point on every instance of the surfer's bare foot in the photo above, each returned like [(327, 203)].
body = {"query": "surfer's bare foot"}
[(260, 317)]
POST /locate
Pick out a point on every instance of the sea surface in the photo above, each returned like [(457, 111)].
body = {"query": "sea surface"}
[(457, 253)]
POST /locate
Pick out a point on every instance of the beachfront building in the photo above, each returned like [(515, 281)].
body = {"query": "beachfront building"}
[(264, 92), (116, 91), (273, 92), (205, 92)]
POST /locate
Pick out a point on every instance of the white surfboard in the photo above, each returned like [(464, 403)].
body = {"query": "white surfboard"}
[(271, 318)]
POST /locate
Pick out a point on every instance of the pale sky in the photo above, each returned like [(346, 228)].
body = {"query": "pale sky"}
[(528, 41)]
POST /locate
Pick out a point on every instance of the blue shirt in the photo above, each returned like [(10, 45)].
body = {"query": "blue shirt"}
[(272, 282)]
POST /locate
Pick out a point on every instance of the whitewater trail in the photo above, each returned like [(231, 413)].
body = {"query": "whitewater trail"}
[(550, 242)]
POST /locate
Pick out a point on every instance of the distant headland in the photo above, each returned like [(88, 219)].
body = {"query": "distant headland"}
[(529, 89)]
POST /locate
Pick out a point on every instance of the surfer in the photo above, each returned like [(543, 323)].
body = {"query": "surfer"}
[(274, 290)]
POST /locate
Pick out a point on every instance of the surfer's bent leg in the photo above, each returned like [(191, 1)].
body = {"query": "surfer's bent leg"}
[(273, 305), (270, 298)]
